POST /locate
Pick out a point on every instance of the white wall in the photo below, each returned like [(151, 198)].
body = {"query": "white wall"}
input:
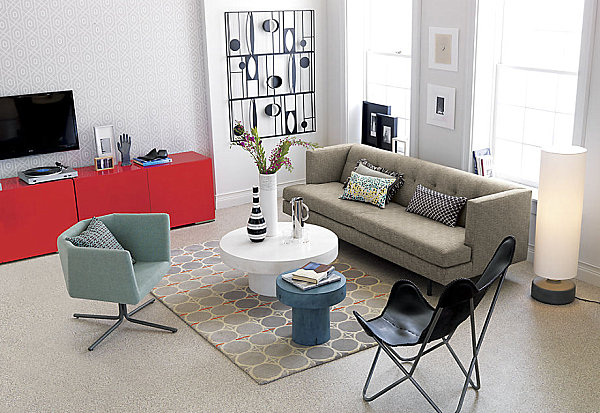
[(136, 64), (589, 256), (235, 172), (435, 144)]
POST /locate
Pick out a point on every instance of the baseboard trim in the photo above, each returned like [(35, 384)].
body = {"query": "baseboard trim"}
[(585, 272), (235, 198)]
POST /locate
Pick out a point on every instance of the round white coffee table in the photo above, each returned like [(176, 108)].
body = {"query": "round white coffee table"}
[(264, 261)]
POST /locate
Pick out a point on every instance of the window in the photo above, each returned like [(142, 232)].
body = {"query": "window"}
[(388, 58), (527, 65)]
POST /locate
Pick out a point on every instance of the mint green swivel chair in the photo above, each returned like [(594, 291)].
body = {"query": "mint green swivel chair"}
[(109, 275)]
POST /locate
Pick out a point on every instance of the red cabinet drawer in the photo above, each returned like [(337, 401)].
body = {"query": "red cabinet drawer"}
[(183, 189), (33, 216), (122, 189)]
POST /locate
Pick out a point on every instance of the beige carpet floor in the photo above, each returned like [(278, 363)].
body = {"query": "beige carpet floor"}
[(536, 358)]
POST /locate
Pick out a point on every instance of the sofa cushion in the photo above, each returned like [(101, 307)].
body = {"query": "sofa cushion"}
[(435, 205), (369, 189), (364, 167), (429, 240)]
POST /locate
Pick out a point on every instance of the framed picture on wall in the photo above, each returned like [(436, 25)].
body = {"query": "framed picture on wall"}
[(443, 49), (369, 121), (440, 106), (387, 129)]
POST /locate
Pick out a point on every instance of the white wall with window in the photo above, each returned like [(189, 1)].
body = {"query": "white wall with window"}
[(526, 81), (379, 60), (388, 44)]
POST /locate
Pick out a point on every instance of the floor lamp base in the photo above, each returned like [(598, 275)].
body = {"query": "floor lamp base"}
[(555, 292)]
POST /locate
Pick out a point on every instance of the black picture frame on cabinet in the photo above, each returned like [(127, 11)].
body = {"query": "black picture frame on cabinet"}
[(369, 121), (387, 130)]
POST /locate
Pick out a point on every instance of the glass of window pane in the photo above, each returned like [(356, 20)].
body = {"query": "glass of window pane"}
[(507, 158), (539, 127), (530, 167), (509, 122), (541, 90), (563, 129)]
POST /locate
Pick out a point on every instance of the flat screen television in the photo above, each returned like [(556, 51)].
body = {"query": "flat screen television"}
[(37, 123)]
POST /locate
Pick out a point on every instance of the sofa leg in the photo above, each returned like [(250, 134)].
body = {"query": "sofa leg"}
[(429, 287)]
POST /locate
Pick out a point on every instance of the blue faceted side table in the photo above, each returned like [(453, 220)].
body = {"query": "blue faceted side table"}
[(310, 309)]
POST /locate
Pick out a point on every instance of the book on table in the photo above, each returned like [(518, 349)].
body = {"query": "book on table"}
[(312, 272), (327, 276), (157, 161)]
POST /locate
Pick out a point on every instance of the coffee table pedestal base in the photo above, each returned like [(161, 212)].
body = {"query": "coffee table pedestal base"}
[(310, 326), (263, 284)]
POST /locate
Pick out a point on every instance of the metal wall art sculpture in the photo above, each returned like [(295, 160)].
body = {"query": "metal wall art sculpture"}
[(271, 71)]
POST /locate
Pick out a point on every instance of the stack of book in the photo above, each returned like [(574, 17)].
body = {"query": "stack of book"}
[(157, 161), (483, 163), (312, 275)]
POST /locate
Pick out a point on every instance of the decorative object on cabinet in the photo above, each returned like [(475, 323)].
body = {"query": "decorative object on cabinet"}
[(271, 72), (440, 106), (369, 121), (256, 227), (104, 162), (443, 49), (387, 129), (105, 140), (124, 146)]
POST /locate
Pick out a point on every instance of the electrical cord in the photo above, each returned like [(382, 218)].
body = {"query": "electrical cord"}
[(588, 301)]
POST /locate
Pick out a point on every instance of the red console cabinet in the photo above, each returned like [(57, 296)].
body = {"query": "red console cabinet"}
[(122, 189), (33, 216), (183, 189)]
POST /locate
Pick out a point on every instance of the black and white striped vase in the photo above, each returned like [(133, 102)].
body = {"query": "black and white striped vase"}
[(257, 227)]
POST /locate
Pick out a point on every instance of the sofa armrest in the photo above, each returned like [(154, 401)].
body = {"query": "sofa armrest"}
[(326, 164), (491, 218)]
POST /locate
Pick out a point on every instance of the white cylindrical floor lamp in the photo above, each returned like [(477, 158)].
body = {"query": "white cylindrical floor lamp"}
[(558, 224)]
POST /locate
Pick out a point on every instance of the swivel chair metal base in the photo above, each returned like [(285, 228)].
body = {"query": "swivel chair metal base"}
[(123, 315)]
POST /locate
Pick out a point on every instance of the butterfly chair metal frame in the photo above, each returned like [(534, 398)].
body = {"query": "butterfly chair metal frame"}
[(457, 303)]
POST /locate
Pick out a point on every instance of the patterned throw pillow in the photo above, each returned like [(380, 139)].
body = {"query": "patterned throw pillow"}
[(369, 189), (435, 205), (97, 235), (366, 168)]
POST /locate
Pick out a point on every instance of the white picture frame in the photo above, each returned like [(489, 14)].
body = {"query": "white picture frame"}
[(443, 48), (441, 105), (105, 140)]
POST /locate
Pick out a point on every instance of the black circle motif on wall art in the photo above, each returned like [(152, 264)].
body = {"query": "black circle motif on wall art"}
[(273, 109), (234, 45), (303, 43), (270, 25), (274, 81), (242, 65), (304, 62), (304, 124)]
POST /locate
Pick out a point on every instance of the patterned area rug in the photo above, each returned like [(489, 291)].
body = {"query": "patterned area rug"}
[(252, 330)]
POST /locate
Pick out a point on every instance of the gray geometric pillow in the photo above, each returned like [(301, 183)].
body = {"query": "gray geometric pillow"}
[(364, 167), (435, 205), (97, 235)]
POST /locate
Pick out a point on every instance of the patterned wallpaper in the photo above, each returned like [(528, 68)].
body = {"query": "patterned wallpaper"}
[(135, 64)]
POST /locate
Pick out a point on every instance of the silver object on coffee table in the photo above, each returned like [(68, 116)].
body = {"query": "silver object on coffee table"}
[(298, 207)]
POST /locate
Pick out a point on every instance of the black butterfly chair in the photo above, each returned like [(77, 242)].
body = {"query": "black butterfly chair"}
[(409, 320)]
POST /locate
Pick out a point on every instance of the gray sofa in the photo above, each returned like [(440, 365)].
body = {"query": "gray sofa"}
[(440, 253)]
